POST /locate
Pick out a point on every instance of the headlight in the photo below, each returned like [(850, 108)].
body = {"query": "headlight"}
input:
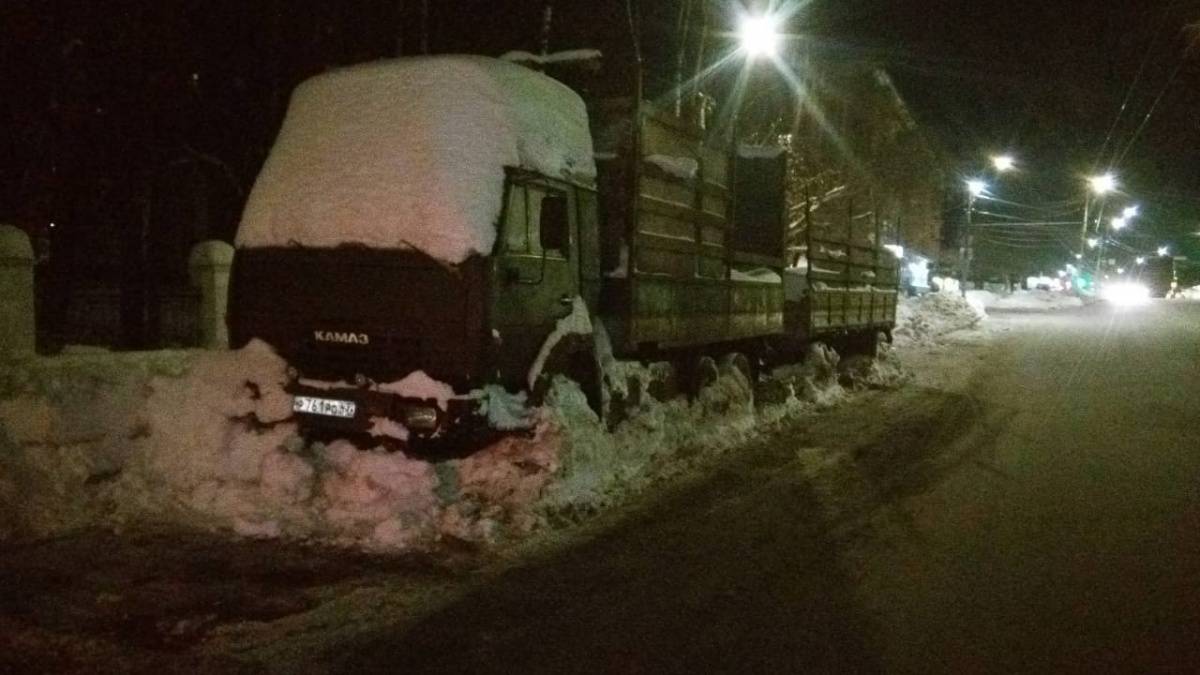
[(1125, 293), (421, 418)]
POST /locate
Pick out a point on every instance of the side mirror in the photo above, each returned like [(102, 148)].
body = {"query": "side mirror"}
[(554, 227)]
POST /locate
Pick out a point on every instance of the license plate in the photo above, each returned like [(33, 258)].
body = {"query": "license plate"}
[(323, 406)]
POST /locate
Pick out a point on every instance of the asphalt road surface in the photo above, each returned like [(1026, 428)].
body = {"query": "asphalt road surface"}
[(1046, 518)]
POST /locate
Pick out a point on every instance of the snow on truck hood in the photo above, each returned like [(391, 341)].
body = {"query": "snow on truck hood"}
[(410, 153)]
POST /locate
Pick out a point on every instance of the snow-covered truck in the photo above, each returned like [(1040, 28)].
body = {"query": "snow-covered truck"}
[(426, 228)]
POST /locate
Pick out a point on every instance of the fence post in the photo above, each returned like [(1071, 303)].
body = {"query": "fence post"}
[(18, 333), (208, 267)]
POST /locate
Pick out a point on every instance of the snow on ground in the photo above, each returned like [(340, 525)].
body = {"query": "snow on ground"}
[(1035, 300), (205, 439), (411, 153), (927, 317)]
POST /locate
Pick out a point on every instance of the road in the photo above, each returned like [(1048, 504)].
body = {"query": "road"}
[(1046, 518), (1030, 504)]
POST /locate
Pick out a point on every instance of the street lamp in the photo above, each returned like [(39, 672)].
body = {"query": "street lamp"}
[(1141, 260), (1093, 242), (1119, 222), (1130, 211), (1103, 184), (1003, 163), (1163, 250), (759, 35)]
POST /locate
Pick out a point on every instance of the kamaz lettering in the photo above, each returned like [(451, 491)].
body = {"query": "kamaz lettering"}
[(342, 338)]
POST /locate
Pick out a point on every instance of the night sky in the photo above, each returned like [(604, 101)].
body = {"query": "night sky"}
[(116, 111)]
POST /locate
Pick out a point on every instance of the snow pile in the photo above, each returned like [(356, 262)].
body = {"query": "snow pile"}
[(663, 434), (578, 322), (206, 440), (1035, 300), (206, 446), (946, 284), (925, 318), (64, 430), (882, 372), (411, 153), (421, 386)]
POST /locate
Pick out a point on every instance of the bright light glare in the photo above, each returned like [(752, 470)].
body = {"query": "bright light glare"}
[(1093, 242), (1163, 250), (1125, 293), (1130, 211), (759, 36), (1120, 270), (1141, 260), (1078, 256), (1003, 162), (1103, 184), (1119, 222), (976, 187)]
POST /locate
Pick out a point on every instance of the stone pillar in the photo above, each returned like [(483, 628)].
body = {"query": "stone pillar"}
[(18, 333), (208, 266)]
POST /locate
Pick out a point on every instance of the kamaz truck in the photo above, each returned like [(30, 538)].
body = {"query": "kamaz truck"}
[(425, 228)]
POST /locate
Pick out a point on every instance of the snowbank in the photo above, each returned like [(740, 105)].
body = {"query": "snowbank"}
[(205, 439), (1035, 300), (411, 153), (207, 445), (927, 317)]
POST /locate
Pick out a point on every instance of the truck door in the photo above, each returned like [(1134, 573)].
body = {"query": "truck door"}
[(537, 275)]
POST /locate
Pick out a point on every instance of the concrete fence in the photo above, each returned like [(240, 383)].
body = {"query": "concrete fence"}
[(184, 317), (208, 267), (18, 333)]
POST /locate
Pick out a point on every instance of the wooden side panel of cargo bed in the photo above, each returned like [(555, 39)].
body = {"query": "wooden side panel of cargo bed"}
[(682, 293)]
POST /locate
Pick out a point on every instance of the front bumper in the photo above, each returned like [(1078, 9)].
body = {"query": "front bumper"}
[(421, 417)]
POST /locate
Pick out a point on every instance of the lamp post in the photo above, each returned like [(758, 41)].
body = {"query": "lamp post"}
[(975, 188), (1116, 224), (1100, 186)]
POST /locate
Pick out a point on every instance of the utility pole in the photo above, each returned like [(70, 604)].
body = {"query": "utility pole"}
[(1087, 203), (968, 251)]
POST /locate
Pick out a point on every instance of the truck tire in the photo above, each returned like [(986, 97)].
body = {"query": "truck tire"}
[(703, 372), (585, 371), (739, 362)]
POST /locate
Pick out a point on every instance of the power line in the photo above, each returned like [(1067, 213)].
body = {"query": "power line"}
[(1137, 78)]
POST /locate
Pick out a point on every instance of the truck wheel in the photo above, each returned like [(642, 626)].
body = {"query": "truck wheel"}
[(704, 372), (739, 362), (583, 369)]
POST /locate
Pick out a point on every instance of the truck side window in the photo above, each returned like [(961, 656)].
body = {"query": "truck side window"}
[(538, 220), (516, 226), (554, 223)]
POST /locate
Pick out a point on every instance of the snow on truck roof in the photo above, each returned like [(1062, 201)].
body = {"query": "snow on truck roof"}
[(410, 153)]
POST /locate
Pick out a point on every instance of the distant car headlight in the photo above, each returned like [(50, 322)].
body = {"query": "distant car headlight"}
[(1125, 293)]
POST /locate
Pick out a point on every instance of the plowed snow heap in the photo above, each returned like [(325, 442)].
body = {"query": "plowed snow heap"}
[(411, 153)]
